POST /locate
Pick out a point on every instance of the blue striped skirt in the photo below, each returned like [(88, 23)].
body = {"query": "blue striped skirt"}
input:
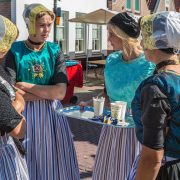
[(12, 163), (132, 174), (117, 149), (49, 144)]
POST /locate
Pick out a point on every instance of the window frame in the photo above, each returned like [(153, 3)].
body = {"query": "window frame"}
[(129, 9), (167, 4), (65, 27), (99, 32), (83, 26), (137, 11)]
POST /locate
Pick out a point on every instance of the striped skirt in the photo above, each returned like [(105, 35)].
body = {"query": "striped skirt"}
[(116, 152), (49, 144), (12, 164), (132, 174)]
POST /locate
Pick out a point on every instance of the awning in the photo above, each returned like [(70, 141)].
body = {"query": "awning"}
[(100, 16)]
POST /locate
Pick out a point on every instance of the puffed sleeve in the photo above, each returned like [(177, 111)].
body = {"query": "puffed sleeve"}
[(60, 74), (9, 118), (10, 66), (155, 112)]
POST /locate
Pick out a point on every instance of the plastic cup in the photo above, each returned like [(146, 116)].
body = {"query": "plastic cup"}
[(118, 110), (98, 104)]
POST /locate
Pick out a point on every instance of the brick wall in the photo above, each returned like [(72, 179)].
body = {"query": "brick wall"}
[(161, 6), (109, 4), (117, 6), (5, 8), (177, 5), (120, 6), (144, 8)]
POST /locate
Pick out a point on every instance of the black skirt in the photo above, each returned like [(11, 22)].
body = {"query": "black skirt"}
[(169, 171)]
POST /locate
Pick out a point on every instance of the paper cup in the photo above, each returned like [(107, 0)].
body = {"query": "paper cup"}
[(98, 104)]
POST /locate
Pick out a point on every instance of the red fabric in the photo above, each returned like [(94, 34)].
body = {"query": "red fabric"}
[(75, 78)]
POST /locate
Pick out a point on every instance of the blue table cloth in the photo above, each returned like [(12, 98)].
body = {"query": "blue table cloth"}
[(117, 146), (88, 115), (71, 62)]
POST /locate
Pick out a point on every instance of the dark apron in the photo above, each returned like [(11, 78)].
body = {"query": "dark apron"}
[(169, 171)]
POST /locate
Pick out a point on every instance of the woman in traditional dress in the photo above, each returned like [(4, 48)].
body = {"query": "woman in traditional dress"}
[(127, 67), (12, 123), (39, 73), (156, 105)]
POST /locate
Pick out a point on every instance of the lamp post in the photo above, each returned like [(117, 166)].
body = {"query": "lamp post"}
[(55, 6), (57, 12)]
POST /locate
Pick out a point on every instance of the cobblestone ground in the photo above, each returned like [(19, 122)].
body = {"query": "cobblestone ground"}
[(85, 139), (85, 154), (86, 136)]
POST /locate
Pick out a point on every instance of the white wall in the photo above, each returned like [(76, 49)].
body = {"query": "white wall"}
[(17, 11), (83, 6)]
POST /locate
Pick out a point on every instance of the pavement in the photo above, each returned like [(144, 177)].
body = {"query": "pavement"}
[(86, 135)]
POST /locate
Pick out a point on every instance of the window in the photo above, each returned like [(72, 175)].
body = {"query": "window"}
[(137, 5), (167, 5), (62, 32), (80, 36), (128, 4), (96, 37)]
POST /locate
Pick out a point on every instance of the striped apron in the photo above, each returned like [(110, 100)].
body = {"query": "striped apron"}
[(12, 164), (49, 144)]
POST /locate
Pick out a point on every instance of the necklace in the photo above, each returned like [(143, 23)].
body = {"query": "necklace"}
[(35, 43), (27, 46)]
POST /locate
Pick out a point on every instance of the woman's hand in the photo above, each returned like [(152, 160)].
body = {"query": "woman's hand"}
[(18, 103), (82, 104), (51, 92), (20, 91), (22, 85), (27, 96), (19, 131)]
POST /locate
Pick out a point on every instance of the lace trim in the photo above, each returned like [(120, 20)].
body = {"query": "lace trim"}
[(8, 87)]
